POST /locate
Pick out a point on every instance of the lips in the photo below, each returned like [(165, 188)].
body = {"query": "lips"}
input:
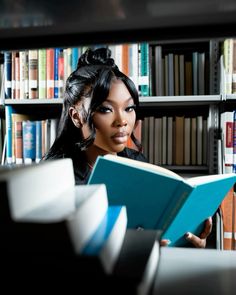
[(120, 137)]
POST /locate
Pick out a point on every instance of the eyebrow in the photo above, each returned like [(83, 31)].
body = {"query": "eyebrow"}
[(127, 100)]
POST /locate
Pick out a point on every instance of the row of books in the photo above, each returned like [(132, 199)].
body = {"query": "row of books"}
[(38, 73), (179, 74), (228, 165), (71, 232), (27, 138), (42, 73), (175, 140)]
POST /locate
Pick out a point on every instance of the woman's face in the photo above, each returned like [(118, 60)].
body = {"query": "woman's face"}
[(114, 120)]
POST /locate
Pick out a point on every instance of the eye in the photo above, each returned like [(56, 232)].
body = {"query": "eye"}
[(104, 109), (130, 108)]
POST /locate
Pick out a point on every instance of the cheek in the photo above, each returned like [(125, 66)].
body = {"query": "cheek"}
[(131, 120), (102, 123)]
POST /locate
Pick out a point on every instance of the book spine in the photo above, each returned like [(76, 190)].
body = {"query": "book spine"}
[(50, 72), (18, 142), (8, 73), (144, 69), (33, 74), (172, 210), (29, 141), (13, 75), (75, 57), (42, 73), (38, 141), (8, 111), (17, 75), (227, 207), (56, 72), (61, 74)]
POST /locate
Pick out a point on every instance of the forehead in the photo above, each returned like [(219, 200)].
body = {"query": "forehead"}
[(118, 92)]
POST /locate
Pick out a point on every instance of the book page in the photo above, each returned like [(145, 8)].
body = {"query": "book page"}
[(209, 178), (143, 165)]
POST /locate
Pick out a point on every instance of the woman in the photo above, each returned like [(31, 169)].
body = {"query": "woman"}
[(98, 117)]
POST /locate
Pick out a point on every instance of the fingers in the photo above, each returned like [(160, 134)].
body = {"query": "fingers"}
[(164, 243), (196, 241), (200, 242), (207, 229)]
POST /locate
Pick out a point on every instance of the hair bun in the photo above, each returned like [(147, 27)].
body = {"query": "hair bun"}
[(100, 56)]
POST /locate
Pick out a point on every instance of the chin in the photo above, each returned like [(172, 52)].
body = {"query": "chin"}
[(119, 148)]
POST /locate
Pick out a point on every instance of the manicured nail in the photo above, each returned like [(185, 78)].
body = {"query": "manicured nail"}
[(188, 235)]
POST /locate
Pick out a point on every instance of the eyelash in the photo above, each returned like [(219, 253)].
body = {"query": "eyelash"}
[(103, 109)]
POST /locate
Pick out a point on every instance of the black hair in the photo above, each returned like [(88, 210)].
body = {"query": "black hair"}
[(91, 79)]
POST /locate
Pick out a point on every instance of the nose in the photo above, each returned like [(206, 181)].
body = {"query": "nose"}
[(121, 123)]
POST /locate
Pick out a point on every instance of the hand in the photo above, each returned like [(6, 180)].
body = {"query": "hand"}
[(164, 243), (200, 242)]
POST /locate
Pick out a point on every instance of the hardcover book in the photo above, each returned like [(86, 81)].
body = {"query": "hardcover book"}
[(157, 198)]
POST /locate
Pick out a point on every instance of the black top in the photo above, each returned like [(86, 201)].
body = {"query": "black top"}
[(82, 170)]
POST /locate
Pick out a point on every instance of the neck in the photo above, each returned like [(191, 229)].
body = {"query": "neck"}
[(93, 152)]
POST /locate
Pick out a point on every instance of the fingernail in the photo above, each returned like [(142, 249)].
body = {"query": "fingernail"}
[(188, 235), (168, 242)]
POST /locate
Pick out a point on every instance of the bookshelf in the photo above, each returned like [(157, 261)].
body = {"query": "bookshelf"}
[(166, 23)]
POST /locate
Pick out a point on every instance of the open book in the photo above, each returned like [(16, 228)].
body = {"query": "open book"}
[(157, 198)]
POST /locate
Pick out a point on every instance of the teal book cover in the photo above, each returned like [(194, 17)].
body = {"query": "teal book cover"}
[(157, 198)]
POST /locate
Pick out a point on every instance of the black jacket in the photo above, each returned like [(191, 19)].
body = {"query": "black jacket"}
[(82, 170)]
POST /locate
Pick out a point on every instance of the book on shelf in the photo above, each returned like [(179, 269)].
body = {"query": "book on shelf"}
[(157, 198), (33, 73), (228, 207), (227, 134), (137, 262)]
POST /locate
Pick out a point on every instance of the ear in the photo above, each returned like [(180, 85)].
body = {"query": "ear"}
[(75, 117)]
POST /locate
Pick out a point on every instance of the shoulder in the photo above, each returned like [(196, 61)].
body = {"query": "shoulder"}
[(133, 154)]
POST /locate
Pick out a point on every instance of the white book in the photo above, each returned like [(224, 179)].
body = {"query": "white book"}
[(107, 241), (33, 186), (40, 194)]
